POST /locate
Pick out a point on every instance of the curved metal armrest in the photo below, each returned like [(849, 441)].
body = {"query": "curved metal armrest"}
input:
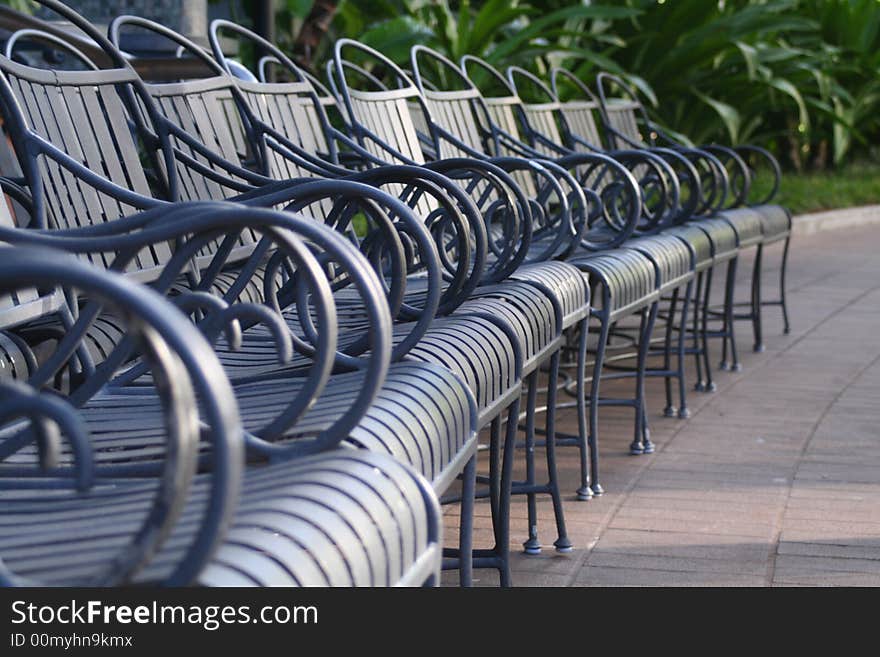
[(619, 191), (49, 417), (200, 149), (188, 370), (710, 172), (762, 153), (739, 178), (655, 175), (498, 197), (91, 178), (454, 209), (18, 193)]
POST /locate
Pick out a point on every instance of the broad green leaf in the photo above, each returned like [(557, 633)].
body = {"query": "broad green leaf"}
[(729, 114)]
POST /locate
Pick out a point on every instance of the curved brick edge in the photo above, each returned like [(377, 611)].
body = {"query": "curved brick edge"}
[(815, 222)]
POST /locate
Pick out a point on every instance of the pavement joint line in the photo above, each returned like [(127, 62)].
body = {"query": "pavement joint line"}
[(583, 559), (774, 553)]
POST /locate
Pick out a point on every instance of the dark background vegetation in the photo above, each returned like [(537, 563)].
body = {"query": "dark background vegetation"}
[(797, 76)]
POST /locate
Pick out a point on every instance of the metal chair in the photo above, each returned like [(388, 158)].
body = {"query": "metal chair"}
[(342, 517), (758, 221), (468, 121), (492, 331), (580, 131)]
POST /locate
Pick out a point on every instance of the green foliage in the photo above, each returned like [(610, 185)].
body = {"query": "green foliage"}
[(850, 185), (801, 77), (798, 76)]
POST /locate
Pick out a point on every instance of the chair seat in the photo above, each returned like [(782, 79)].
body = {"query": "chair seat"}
[(476, 350), (628, 277), (421, 417), (775, 221), (570, 285), (747, 223), (343, 518), (698, 241), (722, 235), (528, 309), (671, 257)]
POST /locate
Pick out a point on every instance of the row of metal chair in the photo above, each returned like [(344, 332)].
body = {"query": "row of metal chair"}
[(379, 270)]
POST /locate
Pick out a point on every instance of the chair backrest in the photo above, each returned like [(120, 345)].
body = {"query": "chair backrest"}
[(622, 112), (73, 132), (23, 304), (292, 107), (82, 139), (454, 101), (579, 107), (505, 111), (379, 110), (545, 124), (203, 109)]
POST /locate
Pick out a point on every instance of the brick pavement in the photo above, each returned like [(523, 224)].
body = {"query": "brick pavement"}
[(774, 480)]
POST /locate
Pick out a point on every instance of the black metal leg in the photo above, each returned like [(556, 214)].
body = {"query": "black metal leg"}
[(585, 492), (562, 542), (532, 544), (756, 299), (594, 407), (704, 331), (639, 444), (494, 474), (730, 334), (670, 410), (782, 297), (502, 545), (466, 523), (698, 343), (683, 411)]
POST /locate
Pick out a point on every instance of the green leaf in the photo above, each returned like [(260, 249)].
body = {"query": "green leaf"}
[(299, 8), (729, 114)]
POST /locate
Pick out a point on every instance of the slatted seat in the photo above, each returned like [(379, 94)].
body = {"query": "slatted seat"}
[(192, 108), (759, 222), (344, 517)]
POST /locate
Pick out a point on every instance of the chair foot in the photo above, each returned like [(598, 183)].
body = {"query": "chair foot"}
[(636, 449), (670, 411), (584, 493), (532, 546), (701, 387), (563, 545), (597, 489), (684, 413), (786, 330), (758, 348), (711, 387), (736, 367), (724, 365)]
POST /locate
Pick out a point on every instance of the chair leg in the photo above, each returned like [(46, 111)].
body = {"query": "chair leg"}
[(593, 439), (670, 410), (641, 441), (683, 411), (698, 346), (729, 287), (532, 544), (757, 273), (562, 542), (704, 331), (466, 524), (502, 533), (782, 297), (494, 475), (585, 492)]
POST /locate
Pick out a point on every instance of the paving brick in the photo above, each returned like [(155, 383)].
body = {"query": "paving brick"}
[(777, 473)]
